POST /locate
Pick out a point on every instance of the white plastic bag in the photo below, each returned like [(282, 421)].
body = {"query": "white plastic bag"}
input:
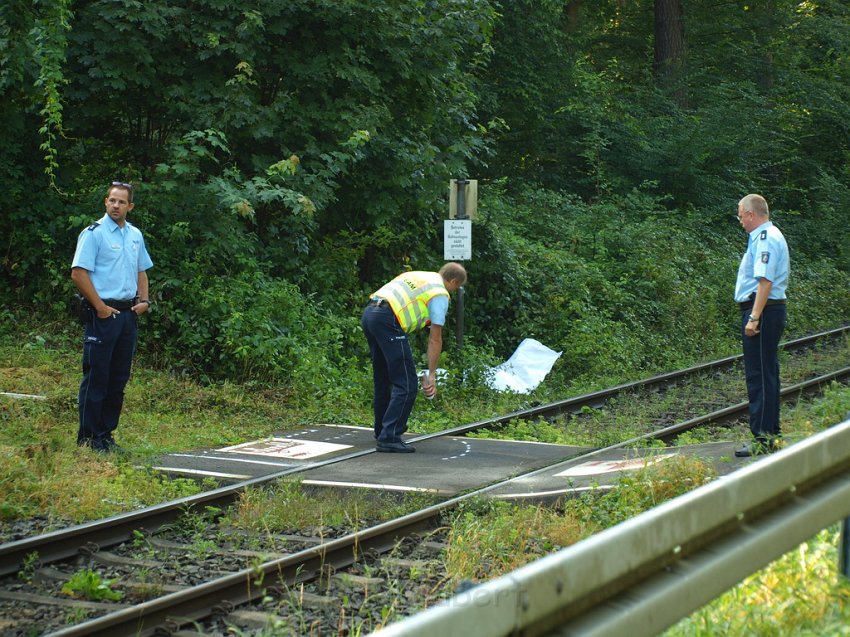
[(525, 369)]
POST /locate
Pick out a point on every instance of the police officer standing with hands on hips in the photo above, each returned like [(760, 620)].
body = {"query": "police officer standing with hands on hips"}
[(760, 293), (109, 270), (403, 306)]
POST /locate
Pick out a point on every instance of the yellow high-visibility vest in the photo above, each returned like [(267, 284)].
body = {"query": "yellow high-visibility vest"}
[(408, 295)]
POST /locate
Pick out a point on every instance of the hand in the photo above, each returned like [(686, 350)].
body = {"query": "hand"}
[(141, 307), (106, 311), (429, 385), (752, 328)]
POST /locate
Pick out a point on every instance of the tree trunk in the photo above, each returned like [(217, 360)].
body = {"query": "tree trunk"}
[(670, 48)]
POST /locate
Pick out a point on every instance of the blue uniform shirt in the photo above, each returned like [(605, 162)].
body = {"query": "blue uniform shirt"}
[(437, 309), (766, 258), (113, 256)]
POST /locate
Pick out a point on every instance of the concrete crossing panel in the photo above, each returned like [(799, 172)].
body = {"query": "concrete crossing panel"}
[(443, 465)]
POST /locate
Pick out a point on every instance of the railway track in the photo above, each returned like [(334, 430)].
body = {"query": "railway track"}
[(208, 583)]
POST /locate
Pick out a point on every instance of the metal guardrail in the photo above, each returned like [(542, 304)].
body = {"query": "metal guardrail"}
[(642, 576)]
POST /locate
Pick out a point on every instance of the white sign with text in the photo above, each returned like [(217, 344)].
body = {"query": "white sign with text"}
[(457, 240)]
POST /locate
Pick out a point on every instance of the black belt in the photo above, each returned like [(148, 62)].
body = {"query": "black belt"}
[(748, 305), (377, 302), (120, 305)]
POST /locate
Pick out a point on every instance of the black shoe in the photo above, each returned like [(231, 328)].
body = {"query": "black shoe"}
[(394, 447), (110, 445), (746, 451), (95, 446), (757, 448)]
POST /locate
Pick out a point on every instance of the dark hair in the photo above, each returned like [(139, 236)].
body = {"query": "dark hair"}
[(123, 185)]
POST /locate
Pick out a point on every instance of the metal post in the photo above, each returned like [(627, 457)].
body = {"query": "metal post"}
[(461, 198), (460, 318), (461, 214)]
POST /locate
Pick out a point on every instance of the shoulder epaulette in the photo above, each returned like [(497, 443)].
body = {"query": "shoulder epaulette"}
[(93, 226)]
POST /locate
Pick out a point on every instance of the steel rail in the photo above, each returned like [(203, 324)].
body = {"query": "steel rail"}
[(741, 409), (65, 543), (667, 434), (594, 399), (169, 612), (641, 576)]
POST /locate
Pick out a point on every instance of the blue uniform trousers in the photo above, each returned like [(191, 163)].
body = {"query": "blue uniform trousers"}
[(761, 367), (108, 348), (393, 372)]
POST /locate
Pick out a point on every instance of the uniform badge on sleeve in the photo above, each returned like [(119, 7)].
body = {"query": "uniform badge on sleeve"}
[(765, 257)]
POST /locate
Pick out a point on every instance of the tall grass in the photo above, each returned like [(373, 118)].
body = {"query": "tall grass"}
[(801, 593), (289, 506), (488, 538)]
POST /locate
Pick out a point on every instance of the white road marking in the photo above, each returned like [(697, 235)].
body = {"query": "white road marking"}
[(240, 460), (365, 485), (198, 472)]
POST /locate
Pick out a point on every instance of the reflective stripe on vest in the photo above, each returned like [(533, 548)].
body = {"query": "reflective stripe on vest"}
[(408, 295)]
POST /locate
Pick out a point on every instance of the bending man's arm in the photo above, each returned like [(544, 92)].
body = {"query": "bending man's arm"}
[(435, 347)]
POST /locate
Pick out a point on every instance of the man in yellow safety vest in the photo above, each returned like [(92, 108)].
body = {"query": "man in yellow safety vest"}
[(403, 306)]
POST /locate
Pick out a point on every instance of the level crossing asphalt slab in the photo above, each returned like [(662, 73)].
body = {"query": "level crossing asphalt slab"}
[(603, 470), (446, 465), (257, 458)]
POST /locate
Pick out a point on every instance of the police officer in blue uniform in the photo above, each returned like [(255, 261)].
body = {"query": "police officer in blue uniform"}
[(109, 270), (760, 294)]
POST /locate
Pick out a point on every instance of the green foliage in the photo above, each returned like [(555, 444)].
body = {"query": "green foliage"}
[(28, 566), (249, 326), (90, 585), (641, 490), (576, 283), (813, 281), (537, 431), (366, 96), (290, 157), (622, 284), (766, 96), (193, 523), (490, 538)]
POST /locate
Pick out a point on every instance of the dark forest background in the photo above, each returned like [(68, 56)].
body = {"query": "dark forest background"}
[(290, 156)]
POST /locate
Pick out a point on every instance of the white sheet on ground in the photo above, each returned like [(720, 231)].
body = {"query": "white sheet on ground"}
[(525, 369)]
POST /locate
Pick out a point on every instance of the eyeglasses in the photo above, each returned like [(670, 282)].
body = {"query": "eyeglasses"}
[(123, 184)]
